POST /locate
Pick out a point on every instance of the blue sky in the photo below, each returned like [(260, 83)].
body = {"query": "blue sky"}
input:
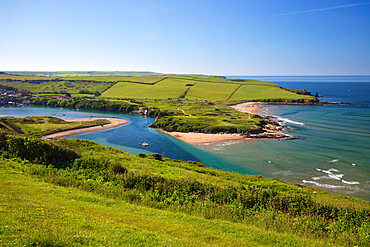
[(223, 37)]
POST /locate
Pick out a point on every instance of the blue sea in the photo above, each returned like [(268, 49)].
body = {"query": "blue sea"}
[(330, 149)]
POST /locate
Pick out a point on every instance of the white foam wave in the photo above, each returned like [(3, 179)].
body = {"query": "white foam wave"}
[(333, 161), (350, 182), (287, 120), (322, 185)]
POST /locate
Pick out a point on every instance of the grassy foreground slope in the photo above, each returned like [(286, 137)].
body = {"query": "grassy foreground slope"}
[(36, 213), (77, 192)]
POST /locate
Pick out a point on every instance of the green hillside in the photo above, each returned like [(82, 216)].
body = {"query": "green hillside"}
[(162, 87), (79, 193)]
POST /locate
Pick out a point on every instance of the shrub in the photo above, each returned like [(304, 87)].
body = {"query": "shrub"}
[(118, 168), (156, 156), (141, 155)]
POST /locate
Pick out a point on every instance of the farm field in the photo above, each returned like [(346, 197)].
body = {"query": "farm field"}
[(59, 86), (211, 91), (167, 88), (262, 92), (162, 87)]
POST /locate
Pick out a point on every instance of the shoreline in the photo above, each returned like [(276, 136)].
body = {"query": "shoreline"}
[(249, 107), (114, 122), (198, 138)]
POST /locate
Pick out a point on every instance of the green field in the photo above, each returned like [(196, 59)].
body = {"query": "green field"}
[(48, 84), (262, 92), (203, 88), (211, 91), (167, 88), (188, 87)]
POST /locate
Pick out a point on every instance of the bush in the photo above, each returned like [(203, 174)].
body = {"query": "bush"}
[(156, 156), (141, 155), (118, 168)]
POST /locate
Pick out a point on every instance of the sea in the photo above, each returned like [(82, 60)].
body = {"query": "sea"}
[(329, 148)]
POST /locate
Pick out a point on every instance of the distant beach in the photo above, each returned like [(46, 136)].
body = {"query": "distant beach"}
[(114, 122), (193, 138), (249, 107)]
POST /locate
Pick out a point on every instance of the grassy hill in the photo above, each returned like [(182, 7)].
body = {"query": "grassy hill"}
[(77, 192), (162, 87)]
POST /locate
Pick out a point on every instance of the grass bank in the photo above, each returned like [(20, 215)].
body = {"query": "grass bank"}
[(110, 192)]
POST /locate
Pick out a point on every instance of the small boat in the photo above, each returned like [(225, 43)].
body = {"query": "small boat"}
[(144, 144)]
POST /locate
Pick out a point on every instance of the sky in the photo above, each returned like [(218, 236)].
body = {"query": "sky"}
[(218, 37)]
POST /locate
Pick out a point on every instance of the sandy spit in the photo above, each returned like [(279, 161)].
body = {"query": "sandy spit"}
[(114, 122), (194, 138)]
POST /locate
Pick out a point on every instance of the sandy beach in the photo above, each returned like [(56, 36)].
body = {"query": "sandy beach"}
[(249, 107), (114, 122), (193, 138)]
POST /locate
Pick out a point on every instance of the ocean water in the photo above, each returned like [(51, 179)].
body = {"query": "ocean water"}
[(331, 145)]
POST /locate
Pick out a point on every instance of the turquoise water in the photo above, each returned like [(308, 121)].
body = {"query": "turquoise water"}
[(127, 137), (330, 150)]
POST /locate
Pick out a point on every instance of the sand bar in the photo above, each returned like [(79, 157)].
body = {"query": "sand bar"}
[(249, 107), (193, 138), (114, 122)]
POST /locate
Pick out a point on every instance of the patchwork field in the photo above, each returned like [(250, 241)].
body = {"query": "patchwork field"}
[(211, 91), (162, 87), (262, 92), (58, 86), (167, 88)]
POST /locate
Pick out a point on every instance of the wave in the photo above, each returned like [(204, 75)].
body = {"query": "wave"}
[(323, 185), (333, 161), (350, 182), (287, 120)]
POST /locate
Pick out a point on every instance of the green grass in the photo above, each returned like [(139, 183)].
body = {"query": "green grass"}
[(211, 91), (24, 77), (39, 126), (262, 92), (116, 78), (58, 86), (84, 203), (205, 118), (168, 88), (194, 88), (36, 213)]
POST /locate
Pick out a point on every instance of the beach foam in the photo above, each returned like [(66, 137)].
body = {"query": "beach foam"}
[(287, 120), (322, 185), (349, 182), (333, 161)]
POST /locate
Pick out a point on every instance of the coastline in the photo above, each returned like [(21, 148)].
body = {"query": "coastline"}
[(249, 107), (269, 130), (196, 138), (114, 122)]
